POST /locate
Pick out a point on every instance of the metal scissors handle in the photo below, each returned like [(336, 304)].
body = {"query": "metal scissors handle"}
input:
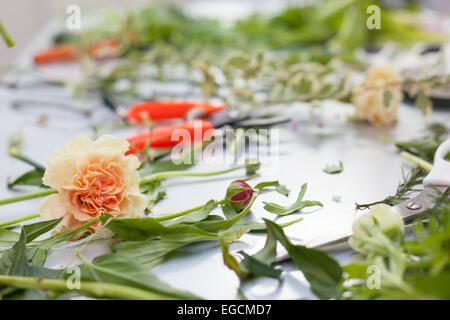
[(436, 183)]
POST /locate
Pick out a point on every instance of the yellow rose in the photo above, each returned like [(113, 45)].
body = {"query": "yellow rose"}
[(369, 98), (92, 178)]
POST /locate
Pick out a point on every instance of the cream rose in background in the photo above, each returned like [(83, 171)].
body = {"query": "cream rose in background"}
[(369, 97), (92, 178)]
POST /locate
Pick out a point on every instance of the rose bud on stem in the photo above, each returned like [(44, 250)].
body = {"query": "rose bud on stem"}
[(239, 194)]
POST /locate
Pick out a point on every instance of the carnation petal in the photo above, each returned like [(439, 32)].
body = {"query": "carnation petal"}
[(52, 207)]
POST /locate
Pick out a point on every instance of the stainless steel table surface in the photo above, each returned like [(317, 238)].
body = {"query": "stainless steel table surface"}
[(372, 171)]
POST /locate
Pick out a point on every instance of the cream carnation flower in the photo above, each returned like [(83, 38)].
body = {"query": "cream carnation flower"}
[(369, 97), (92, 178)]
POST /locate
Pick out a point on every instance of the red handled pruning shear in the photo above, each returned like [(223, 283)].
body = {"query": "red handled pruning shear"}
[(69, 51), (199, 117)]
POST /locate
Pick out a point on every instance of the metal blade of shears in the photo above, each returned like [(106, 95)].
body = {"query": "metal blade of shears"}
[(408, 210)]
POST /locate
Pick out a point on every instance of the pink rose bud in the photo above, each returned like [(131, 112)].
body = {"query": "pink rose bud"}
[(239, 194)]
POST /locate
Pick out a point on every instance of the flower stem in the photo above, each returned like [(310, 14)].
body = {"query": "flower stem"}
[(14, 152), (96, 289), (28, 196), (18, 220), (145, 180), (171, 174), (178, 214), (417, 161), (6, 36)]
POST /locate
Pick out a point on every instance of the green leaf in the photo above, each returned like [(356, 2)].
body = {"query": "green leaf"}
[(195, 216), (238, 61), (253, 266), (322, 271), (231, 261), (8, 239), (37, 256), (333, 7), (151, 253), (113, 268), (258, 227), (149, 189), (228, 210), (256, 268), (260, 263), (39, 272), (30, 178), (34, 230), (423, 102), (283, 190), (4, 34), (268, 253), (334, 169), (146, 227), (14, 260), (12, 293), (423, 147), (387, 98), (278, 187), (52, 241), (222, 225), (296, 206), (185, 162), (241, 295), (436, 286), (154, 199)]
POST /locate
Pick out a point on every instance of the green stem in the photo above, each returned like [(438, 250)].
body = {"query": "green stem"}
[(28, 196), (6, 36), (96, 289), (145, 180), (18, 220), (14, 152), (171, 174), (178, 214), (416, 160)]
